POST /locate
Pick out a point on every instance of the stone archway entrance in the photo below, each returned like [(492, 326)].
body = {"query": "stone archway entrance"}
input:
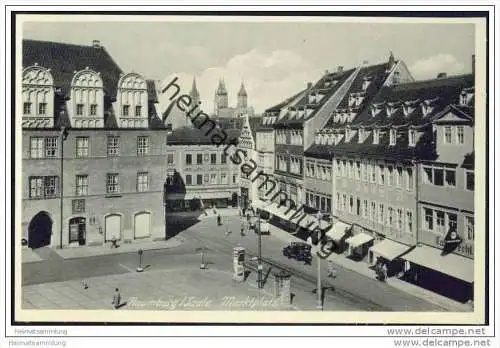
[(39, 230)]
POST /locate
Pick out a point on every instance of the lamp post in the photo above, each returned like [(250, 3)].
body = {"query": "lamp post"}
[(320, 290), (140, 268), (259, 266), (63, 136)]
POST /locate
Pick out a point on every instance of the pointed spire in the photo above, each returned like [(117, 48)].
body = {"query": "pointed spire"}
[(221, 90), (242, 91), (194, 90), (391, 59)]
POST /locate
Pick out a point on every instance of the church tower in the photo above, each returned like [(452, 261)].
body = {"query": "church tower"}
[(221, 99), (242, 99), (195, 99)]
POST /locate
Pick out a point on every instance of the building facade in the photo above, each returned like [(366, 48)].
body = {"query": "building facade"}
[(94, 149)]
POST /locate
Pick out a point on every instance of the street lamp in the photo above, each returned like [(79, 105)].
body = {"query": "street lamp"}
[(140, 268), (259, 258), (63, 136), (320, 300)]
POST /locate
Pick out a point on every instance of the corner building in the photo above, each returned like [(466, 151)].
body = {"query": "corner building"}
[(93, 147)]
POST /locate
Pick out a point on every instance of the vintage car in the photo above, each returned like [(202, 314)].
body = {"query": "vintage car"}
[(298, 251), (254, 225)]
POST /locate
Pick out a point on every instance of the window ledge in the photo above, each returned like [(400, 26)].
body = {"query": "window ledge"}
[(113, 195)]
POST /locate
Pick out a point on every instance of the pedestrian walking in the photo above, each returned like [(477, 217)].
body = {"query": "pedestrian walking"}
[(117, 299), (219, 222)]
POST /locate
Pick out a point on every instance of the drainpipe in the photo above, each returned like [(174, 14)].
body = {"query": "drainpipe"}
[(63, 136)]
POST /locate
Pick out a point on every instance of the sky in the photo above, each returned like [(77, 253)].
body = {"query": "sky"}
[(274, 59)]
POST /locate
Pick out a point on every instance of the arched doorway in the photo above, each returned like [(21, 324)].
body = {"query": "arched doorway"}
[(77, 230), (40, 230), (142, 224), (113, 227)]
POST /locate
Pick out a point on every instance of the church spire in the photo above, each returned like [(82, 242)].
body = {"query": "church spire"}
[(195, 95), (242, 91)]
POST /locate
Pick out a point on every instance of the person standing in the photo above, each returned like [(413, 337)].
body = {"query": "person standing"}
[(332, 272), (117, 299), (219, 222)]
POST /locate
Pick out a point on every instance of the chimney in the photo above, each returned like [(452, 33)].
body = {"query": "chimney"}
[(96, 43), (326, 72), (340, 68), (365, 63), (473, 64), (309, 84), (441, 75)]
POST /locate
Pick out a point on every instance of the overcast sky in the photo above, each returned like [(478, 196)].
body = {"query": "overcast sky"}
[(274, 59)]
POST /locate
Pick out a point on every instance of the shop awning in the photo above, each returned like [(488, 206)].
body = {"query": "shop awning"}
[(451, 264), (389, 249), (337, 231), (258, 204), (359, 239), (204, 195)]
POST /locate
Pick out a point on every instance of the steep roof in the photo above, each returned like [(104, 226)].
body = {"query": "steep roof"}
[(440, 93), (254, 125), (321, 86), (64, 59), (279, 106)]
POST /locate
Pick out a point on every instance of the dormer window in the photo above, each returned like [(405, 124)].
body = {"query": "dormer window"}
[(361, 135), (366, 83), (392, 137), (376, 136), (408, 109), (412, 137), (352, 99), (426, 109), (466, 96), (346, 135), (375, 109)]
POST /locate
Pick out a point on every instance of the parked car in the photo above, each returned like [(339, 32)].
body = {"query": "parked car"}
[(254, 224), (299, 251)]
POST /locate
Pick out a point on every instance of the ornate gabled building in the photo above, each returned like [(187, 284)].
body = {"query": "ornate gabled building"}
[(107, 181)]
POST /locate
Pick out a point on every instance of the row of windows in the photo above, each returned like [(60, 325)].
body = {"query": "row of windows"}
[(126, 110), (289, 137), (80, 109), (42, 187), (453, 135), (27, 108), (440, 176), (319, 171), (317, 201), (46, 147), (392, 217), (210, 179), (291, 164), (205, 158), (440, 222), (369, 172)]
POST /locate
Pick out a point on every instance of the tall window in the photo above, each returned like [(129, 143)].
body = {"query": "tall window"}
[(390, 176), (44, 186), (381, 175), (364, 172), (412, 137), (339, 203), (338, 169), (223, 158), (37, 147), (390, 216), (138, 110), (376, 136), (213, 179), (450, 178), (469, 180), (42, 108), (113, 146), (199, 158), (223, 179), (189, 179), (460, 134), (50, 147), (409, 179), (409, 222), (344, 202), (392, 137), (373, 211), (400, 219), (428, 219), (399, 176), (125, 110), (170, 158), (438, 177), (189, 159), (381, 213), (440, 222), (358, 171), (351, 204), (142, 145), (365, 208), (469, 228), (213, 158), (206, 179), (82, 185), (447, 134), (79, 109), (235, 177), (199, 179), (373, 172), (142, 182), (26, 108), (112, 183), (93, 109), (358, 207), (82, 147)]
